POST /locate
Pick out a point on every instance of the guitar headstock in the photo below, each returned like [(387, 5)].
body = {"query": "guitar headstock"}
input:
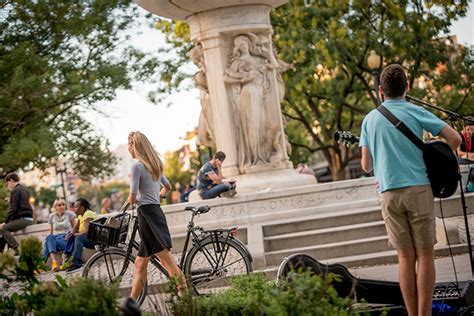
[(346, 138)]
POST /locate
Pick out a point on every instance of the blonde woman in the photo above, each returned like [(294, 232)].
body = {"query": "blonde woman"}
[(146, 191), (61, 222)]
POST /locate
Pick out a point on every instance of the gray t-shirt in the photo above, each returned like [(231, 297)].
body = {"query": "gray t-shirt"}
[(61, 224), (147, 190)]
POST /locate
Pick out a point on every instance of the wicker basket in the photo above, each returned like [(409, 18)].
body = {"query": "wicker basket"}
[(109, 231)]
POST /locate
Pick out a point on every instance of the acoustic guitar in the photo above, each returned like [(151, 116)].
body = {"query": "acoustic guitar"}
[(441, 164)]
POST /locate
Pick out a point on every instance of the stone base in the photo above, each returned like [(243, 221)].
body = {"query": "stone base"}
[(272, 180), (266, 181)]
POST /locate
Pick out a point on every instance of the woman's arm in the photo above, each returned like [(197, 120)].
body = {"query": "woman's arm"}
[(166, 186)]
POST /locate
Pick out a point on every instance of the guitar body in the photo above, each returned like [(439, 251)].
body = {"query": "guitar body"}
[(372, 291), (442, 168)]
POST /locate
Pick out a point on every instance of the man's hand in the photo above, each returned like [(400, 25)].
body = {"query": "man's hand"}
[(1, 225)]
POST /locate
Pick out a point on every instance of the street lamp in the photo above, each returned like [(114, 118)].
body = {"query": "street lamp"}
[(374, 61)]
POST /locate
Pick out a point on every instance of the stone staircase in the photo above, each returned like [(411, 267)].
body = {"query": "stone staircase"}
[(352, 235), (327, 236)]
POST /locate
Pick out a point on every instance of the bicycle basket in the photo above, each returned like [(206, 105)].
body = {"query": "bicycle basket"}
[(109, 231)]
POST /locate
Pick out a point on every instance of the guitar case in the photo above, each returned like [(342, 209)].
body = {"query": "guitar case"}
[(372, 291)]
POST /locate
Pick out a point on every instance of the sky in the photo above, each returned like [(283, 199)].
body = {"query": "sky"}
[(166, 126)]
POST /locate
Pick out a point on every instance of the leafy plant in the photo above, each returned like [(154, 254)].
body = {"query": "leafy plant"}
[(49, 298), (306, 294)]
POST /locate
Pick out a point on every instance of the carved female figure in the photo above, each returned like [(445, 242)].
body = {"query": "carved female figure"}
[(248, 73)]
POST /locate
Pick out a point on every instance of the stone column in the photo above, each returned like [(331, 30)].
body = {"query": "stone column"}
[(215, 55), (215, 31)]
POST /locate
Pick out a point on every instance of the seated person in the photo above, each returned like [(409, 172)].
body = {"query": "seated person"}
[(78, 236), (61, 222), (211, 182), (466, 149), (20, 212)]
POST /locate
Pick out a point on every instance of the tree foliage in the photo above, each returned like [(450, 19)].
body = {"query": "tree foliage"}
[(58, 58), (330, 86)]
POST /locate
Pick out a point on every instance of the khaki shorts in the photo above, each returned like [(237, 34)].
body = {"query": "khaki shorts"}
[(409, 217)]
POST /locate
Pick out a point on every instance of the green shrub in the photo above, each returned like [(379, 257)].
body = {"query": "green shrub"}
[(306, 294), (82, 297)]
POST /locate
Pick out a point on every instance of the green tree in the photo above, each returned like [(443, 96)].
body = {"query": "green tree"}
[(94, 193), (330, 86), (58, 58)]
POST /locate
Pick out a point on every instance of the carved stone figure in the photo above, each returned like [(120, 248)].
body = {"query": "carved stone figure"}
[(255, 101), (205, 130)]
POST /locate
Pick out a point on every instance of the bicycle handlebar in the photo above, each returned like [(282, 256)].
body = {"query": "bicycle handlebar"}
[(124, 207)]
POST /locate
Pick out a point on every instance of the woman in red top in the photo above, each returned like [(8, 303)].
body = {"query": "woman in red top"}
[(466, 149)]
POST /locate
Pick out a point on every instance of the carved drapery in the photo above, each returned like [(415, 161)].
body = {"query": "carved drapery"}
[(206, 135), (256, 89)]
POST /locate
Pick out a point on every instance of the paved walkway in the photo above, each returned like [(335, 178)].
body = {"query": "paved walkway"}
[(444, 270)]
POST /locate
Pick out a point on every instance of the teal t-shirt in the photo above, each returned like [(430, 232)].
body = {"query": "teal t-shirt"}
[(397, 161)]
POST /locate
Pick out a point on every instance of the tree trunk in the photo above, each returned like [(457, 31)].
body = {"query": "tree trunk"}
[(335, 163)]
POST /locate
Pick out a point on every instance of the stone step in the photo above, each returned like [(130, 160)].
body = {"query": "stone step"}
[(348, 216), (369, 259), (325, 236), (333, 250)]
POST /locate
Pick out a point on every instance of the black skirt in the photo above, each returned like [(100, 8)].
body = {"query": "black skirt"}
[(153, 229)]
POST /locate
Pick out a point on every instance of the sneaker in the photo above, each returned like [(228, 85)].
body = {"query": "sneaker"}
[(130, 308), (229, 193), (16, 252), (54, 266), (74, 268)]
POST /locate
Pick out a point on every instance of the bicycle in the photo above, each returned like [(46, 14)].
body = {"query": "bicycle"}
[(215, 256)]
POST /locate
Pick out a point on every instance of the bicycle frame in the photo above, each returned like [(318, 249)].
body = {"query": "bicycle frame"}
[(198, 241)]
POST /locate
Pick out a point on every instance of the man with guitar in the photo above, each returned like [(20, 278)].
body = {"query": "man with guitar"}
[(406, 195)]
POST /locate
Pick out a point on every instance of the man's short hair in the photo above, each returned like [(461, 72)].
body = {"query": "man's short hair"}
[(219, 155), (393, 81), (12, 176)]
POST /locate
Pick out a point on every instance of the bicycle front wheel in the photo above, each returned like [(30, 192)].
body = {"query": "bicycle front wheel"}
[(211, 264), (113, 266)]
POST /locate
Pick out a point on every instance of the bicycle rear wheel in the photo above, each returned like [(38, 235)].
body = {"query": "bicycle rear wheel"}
[(215, 262), (108, 267)]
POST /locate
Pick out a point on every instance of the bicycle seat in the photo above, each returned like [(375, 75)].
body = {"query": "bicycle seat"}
[(200, 210)]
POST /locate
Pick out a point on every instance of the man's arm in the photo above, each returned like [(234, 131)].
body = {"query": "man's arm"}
[(451, 136), (366, 160), (216, 177), (14, 204)]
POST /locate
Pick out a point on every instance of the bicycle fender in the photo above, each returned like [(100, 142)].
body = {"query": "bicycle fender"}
[(237, 241)]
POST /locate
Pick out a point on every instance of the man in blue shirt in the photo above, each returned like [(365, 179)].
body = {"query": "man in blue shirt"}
[(211, 182), (407, 199)]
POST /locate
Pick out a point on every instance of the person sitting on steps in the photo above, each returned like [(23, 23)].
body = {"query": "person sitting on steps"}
[(211, 182), (20, 213), (78, 235), (61, 222)]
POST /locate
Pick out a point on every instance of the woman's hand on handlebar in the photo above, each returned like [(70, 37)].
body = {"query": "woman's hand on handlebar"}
[(132, 199)]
